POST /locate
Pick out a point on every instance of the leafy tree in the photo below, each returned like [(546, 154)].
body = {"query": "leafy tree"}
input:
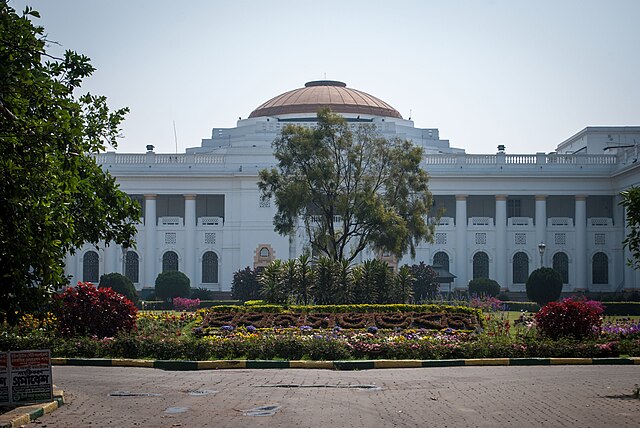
[(53, 195), (245, 285), (326, 278), (306, 278), (120, 284), (426, 283), (352, 188), (271, 280), (544, 285), (172, 284), (631, 202)]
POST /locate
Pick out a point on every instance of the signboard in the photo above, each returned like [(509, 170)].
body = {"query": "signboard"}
[(4, 378), (27, 376)]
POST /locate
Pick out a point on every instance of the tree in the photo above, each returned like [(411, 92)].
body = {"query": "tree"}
[(426, 283), (172, 284), (544, 285), (120, 284), (484, 286), (53, 195), (351, 188), (245, 285), (631, 202)]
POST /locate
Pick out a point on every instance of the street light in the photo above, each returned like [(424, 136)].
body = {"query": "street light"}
[(541, 248)]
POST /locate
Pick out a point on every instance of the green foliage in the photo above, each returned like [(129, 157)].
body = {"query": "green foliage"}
[(404, 285), (352, 188), (120, 284), (172, 284), (245, 285), (426, 285), (202, 293), (53, 195), (631, 202), (484, 287), (272, 290), (544, 285), (86, 311)]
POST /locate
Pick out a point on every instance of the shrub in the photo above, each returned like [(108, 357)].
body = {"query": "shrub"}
[(570, 318), (202, 294), (120, 284), (86, 310), (544, 285), (172, 284), (484, 287), (180, 304)]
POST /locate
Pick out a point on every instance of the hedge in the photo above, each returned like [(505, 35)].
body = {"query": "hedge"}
[(159, 305)]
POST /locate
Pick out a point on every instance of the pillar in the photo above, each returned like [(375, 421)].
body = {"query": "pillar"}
[(501, 257), (110, 258), (461, 242), (150, 226), (190, 259), (541, 224), (582, 267)]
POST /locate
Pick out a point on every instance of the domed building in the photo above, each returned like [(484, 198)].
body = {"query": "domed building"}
[(504, 214)]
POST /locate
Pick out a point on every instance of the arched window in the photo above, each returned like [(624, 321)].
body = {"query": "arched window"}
[(480, 265), (210, 267), (561, 264), (91, 267), (600, 268), (169, 261), (132, 266), (441, 259), (264, 252), (520, 268)]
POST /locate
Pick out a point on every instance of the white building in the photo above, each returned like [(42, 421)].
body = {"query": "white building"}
[(202, 212)]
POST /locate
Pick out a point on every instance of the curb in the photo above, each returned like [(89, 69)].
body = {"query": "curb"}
[(337, 365), (23, 415)]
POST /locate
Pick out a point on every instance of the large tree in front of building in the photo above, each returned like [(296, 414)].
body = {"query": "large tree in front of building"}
[(53, 195), (631, 202), (351, 188)]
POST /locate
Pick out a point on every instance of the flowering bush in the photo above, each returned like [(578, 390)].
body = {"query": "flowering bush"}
[(87, 310), (570, 318), (487, 304), (181, 304)]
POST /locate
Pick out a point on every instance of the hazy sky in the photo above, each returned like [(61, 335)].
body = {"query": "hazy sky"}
[(526, 74)]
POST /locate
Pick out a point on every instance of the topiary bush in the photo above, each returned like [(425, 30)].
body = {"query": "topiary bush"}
[(570, 318), (484, 287), (544, 285), (120, 284), (87, 311), (172, 284)]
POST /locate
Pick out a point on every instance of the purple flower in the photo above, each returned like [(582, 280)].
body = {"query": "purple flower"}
[(373, 329), (306, 328), (226, 328), (251, 328)]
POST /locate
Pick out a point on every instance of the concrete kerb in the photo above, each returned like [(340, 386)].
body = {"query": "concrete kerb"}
[(25, 414), (337, 365)]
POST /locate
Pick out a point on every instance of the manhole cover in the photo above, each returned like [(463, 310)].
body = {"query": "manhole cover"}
[(202, 392), (262, 411), (175, 410), (133, 394)]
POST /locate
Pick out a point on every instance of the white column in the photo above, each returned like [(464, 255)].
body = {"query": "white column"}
[(501, 241), (190, 261), (541, 221), (110, 257), (461, 242), (582, 267), (149, 256)]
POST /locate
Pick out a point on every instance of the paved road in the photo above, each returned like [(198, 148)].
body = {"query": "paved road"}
[(555, 396)]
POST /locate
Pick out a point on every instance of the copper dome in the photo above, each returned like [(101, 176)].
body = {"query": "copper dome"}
[(325, 93)]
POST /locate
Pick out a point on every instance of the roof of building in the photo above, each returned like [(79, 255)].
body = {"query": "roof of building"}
[(325, 93)]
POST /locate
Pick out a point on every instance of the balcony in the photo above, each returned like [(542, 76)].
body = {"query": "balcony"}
[(170, 221), (480, 222), (559, 222), (520, 222), (210, 221)]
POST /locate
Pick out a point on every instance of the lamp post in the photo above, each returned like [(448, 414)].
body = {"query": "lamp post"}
[(541, 248)]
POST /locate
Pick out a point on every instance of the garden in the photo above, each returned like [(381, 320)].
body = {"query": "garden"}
[(90, 322)]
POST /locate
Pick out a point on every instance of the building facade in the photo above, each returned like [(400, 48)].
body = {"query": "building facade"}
[(203, 214)]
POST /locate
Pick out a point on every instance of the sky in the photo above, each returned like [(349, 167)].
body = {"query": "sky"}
[(525, 74)]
